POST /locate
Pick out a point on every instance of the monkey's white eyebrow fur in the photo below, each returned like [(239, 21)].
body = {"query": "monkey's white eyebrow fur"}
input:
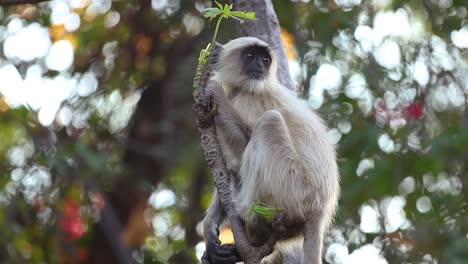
[(245, 42)]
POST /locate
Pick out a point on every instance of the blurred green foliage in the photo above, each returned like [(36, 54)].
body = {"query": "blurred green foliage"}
[(133, 138)]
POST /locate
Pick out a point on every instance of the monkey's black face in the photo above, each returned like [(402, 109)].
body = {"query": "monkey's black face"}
[(256, 61)]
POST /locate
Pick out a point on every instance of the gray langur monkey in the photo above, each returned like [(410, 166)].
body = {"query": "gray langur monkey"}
[(280, 150)]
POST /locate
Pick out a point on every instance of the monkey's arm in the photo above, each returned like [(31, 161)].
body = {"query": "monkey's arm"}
[(235, 131)]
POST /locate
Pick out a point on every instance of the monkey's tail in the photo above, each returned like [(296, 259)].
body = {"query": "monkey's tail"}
[(313, 243)]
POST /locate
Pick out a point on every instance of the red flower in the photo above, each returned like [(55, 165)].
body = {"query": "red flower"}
[(71, 221), (74, 228), (72, 208), (415, 110)]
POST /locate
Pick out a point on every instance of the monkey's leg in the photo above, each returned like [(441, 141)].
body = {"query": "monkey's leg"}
[(294, 256), (269, 168), (313, 241), (286, 227), (215, 252), (269, 173)]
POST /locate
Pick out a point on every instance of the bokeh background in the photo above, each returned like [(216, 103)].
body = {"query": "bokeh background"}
[(100, 159)]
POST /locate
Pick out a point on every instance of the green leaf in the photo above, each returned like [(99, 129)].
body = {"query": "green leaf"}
[(246, 15), (238, 19), (211, 12), (264, 210), (220, 6)]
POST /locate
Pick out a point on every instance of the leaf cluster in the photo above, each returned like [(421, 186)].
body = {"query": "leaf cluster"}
[(227, 12), (220, 12)]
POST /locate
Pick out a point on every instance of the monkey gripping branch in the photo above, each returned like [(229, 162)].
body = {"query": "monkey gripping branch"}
[(204, 113)]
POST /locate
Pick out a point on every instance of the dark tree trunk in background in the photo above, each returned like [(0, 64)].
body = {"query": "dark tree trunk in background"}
[(149, 150), (154, 131)]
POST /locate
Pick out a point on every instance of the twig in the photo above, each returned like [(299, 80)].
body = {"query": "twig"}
[(112, 229)]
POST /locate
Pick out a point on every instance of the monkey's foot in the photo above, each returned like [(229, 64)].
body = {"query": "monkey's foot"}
[(285, 227), (220, 254)]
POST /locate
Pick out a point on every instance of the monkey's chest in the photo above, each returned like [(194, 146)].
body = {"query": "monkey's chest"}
[(251, 109)]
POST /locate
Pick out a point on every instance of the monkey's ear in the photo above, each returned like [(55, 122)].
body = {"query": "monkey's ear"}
[(218, 48)]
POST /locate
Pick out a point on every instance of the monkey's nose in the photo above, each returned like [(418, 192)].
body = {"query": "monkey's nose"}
[(260, 63)]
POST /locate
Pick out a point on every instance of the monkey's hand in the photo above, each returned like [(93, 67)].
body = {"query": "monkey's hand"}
[(235, 131), (284, 227), (219, 254), (218, 48), (216, 98), (207, 104), (215, 93)]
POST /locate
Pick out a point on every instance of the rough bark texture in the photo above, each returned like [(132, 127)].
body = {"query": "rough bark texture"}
[(266, 27)]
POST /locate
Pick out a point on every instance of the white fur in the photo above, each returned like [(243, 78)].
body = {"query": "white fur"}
[(288, 162)]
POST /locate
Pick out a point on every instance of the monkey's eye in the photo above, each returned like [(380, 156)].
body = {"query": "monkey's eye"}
[(249, 55), (266, 60)]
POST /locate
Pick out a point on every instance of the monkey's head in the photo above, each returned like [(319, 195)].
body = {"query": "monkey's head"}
[(246, 64)]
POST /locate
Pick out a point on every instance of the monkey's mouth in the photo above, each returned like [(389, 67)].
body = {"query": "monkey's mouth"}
[(256, 74)]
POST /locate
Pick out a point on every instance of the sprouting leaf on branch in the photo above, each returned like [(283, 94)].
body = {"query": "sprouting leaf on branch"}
[(223, 12), (211, 12), (264, 210), (220, 12), (227, 12), (243, 14)]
